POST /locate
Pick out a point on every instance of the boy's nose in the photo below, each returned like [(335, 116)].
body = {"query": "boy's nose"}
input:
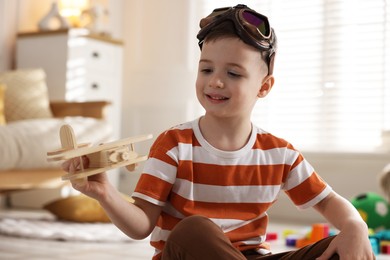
[(216, 82)]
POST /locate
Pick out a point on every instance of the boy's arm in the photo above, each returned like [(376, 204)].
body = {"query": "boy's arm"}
[(136, 220), (352, 241)]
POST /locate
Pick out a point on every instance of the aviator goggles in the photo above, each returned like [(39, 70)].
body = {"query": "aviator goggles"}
[(252, 27)]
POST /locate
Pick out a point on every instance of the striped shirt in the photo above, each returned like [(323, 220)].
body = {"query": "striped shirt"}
[(187, 176)]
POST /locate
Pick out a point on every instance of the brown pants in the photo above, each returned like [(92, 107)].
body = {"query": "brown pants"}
[(198, 237)]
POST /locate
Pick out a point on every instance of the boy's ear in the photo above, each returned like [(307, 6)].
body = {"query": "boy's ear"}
[(266, 86)]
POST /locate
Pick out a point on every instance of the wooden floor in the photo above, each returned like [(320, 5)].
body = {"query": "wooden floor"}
[(33, 249), (18, 248)]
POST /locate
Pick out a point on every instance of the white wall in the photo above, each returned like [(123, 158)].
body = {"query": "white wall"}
[(8, 27), (30, 13), (160, 69)]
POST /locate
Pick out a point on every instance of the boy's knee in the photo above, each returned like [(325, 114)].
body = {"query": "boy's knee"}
[(197, 237), (193, 226), (195, 220)]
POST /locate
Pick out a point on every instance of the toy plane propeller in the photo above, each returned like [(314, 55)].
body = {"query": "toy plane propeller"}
[(102, 158)]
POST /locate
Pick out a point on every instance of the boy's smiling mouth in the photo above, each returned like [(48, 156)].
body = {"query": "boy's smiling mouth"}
[(216, 97)]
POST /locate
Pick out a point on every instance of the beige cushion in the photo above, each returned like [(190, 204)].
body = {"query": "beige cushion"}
[(79, 208), (2, 94), (26, 96)]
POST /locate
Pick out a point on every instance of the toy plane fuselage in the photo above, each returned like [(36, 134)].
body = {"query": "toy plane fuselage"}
[(101, 158)]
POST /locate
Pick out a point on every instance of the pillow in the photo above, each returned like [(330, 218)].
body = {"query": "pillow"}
[(27, 95), (79, 208), (2, 117)]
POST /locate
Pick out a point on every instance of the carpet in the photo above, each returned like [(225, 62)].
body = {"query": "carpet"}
[(61, 230)]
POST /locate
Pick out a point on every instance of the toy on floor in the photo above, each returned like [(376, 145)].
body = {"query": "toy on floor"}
[(380, 242), (317, 232), (102, 158), (271, 236), (385, 247), (374, 210)]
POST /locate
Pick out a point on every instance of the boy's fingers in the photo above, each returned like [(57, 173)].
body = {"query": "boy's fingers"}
[(79, 183), (65, 165), (85, 161), (74, 164), (71, 165)]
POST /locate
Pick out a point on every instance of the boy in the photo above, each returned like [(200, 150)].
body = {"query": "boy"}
[(207, 184)]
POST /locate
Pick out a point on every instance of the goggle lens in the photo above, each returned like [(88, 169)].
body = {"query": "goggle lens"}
[(259, 22)]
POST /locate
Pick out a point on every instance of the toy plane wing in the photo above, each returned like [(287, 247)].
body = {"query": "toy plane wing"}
[(66, 154), (101, 158)]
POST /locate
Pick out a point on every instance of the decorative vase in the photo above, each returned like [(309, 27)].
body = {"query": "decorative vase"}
[(54, 13)]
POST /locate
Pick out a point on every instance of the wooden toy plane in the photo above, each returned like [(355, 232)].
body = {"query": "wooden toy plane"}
[(102, 158)]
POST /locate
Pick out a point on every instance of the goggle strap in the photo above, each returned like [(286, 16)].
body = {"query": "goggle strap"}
[(271, 63)]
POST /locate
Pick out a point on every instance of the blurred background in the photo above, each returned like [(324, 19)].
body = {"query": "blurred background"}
[(331, 98)]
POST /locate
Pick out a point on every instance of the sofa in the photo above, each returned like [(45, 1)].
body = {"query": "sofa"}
[(29, 127)]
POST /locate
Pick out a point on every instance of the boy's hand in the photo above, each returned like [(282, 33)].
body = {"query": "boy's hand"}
[(350, 244), (93, 186)]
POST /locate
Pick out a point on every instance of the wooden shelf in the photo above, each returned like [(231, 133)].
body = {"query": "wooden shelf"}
[(81, 32)]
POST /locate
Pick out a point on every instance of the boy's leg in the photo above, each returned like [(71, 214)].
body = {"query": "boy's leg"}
[(197, 237), (306, 253)]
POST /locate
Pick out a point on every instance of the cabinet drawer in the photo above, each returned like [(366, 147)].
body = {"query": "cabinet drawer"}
[(100, 88), (95, 55)]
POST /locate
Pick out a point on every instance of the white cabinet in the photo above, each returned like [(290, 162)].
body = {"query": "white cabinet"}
[(79, 66)]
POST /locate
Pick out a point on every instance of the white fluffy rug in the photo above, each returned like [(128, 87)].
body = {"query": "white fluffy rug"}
[(59, 230)]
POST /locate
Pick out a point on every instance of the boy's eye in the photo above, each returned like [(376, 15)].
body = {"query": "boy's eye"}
[(234, 74), (206, 70)]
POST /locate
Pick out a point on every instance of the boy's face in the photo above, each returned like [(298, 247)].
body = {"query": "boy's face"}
[(231, 77)]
